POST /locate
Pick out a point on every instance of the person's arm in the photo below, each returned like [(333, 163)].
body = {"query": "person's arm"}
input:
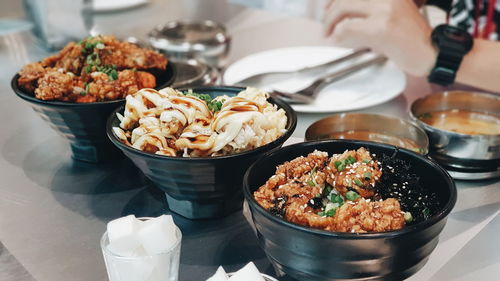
[(481, 66), (396, 29)]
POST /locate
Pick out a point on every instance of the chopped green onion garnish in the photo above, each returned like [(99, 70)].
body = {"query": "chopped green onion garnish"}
[(310, 183), (212, 104), (426, 212), (113, 75), (350, 160), (331, 212), (366, 161), (326, 190), (367, 175), (358, 182), (89, 46), (321, 214), (408, 217), (351, 195), (341, 167), (334, 198)]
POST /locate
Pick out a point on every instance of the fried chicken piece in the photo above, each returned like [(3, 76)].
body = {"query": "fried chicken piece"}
[(70, 59), (55, 85), (361, 175), (289, 188), (29, 75), (128, 82), (145, 79), (369, 216), (126, 55)]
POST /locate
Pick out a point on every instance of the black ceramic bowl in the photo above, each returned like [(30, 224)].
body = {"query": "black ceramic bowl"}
[(84, 124), (311, 254), (202, 187)]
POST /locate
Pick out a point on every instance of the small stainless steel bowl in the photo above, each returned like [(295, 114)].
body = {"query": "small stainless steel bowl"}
[(206, 41), (370, 127), (193, 73), (464, 156)]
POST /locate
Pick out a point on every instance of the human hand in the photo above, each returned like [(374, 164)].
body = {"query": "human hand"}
[(394, 28)]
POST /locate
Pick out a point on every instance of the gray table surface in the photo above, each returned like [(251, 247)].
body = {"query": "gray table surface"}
[(53, 210)]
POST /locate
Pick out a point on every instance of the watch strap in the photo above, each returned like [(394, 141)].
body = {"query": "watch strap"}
[(445, 70)]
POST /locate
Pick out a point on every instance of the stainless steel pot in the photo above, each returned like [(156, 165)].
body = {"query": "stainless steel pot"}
[(206, 41), (464, 156), (374, 127)]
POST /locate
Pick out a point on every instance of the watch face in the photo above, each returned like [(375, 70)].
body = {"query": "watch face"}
[(456, 34), (452, 38)]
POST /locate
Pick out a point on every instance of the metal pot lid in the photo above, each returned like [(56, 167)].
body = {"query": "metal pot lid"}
[(194, 73), (185, 36)]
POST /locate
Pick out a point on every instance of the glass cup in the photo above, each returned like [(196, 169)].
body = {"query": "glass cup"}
[(159, 267)]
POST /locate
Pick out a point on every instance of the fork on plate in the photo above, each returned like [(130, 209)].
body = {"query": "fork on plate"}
[(309, 94)]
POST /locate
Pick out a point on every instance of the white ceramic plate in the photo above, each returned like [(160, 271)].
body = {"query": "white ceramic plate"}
[(115, 5), (368, 87)]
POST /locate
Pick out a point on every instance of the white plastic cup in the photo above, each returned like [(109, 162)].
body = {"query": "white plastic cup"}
[(159, 267)]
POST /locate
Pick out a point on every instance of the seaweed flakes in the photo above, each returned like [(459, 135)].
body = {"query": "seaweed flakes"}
[(400, 182), (279, 206)]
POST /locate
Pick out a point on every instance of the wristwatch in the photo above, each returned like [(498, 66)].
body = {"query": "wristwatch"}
[(453, 44)]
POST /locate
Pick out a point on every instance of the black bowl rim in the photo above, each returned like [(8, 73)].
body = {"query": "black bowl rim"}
[(288, 110), (430, 129), (32, 99), (348, 235)]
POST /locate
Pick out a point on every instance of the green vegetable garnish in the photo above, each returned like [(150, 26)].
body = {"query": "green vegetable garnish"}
[(216, 105), (331, 212), (326, 190), (426, 212), (408, 217), (113, 75), (83, 93), (351, 195), (341, 167), (358, 182), (321, 214), (93, 60), (310, 183), (366, 161), (367, 175), (90, 43), (213, 105), (350, 160), (334, 198)]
